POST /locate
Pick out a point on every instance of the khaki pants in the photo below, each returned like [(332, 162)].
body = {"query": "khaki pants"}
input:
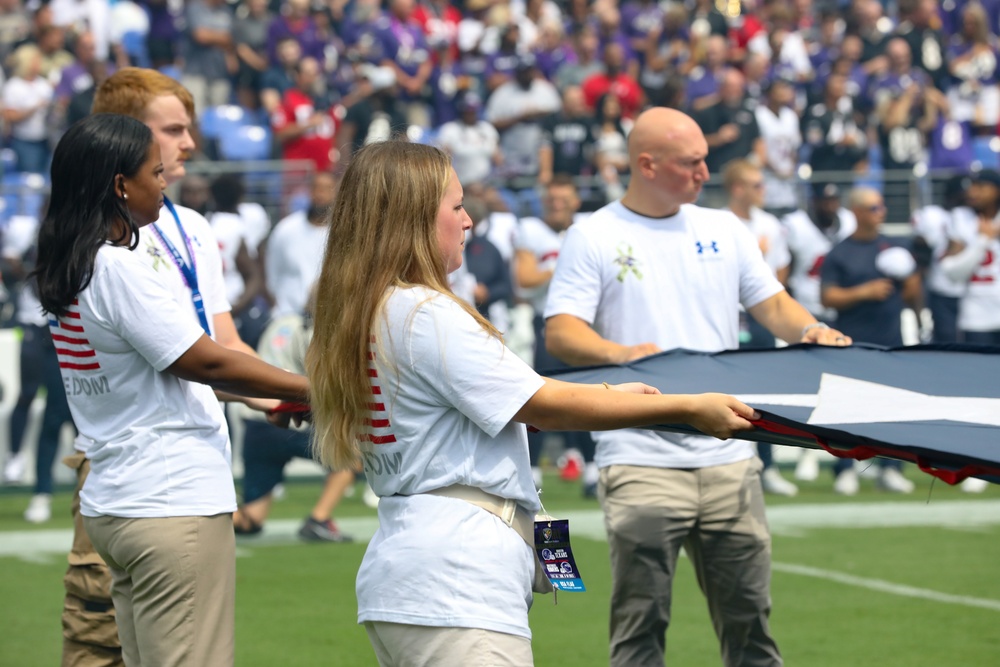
[(90, 634), (173, 585), (717, 515), (399, 645)]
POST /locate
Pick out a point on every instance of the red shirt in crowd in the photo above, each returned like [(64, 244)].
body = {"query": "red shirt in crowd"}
[(317, 143), (624, 87)]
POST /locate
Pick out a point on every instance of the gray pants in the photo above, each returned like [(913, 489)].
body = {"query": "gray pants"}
[(717, 515)]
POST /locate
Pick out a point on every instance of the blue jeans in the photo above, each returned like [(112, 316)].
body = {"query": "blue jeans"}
[(32, 156)]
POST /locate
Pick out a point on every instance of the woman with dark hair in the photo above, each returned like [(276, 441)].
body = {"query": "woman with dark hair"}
[(158, 502)]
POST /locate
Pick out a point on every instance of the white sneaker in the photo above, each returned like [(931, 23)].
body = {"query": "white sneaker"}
[(846, 483), (369, 497), (13, 470), (892, 480), (807, 469), (776, 484), (975, 485), (39, 509)]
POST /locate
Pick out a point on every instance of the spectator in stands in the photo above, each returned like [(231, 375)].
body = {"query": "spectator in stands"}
[(377, 116), (294, 21), (810, 234), (54, 58), (39, 368), (730, 126), (611, 145), (15, 26), (825, 40), (194, 193), (439, 20), (746, 189), (781, 135), (614, 80), (250, 43), (642, 21), (707, 20), (78, 16), (501, 65), (472, 143), (668, 50), (517, 109), (907, 106), (76, 76), (304, 123), (553, 50), (26, 98), (280, 77), (708, 71), (568, 139), (865, 19), (295, 249), (80, 102), (585, 63), (164, 34), (973, 259), (404, 49), (835, 130), (933, 226), (868, 278), (920, 27), (973, 92), (209, 57), (609, 31)]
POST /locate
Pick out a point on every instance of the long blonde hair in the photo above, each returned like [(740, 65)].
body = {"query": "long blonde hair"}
[(383, 234)]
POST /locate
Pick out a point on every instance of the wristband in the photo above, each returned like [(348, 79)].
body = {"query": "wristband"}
[(814, 325)]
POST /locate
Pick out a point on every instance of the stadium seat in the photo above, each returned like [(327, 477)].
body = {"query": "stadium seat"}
[(248, 142), (23, 194), (984, 154), (216, 120), (134, 43)]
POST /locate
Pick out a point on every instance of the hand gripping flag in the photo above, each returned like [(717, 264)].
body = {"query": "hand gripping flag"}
[(936, 406)]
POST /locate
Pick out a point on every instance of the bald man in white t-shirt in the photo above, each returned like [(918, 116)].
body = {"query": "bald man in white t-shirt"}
[(653, 272)]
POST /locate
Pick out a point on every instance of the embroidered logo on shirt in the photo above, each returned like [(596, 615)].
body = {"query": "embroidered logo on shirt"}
[(627, 263), (705, 247), (159, 259)]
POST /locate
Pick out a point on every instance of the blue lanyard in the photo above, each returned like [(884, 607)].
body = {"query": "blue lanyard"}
[(188, 273)]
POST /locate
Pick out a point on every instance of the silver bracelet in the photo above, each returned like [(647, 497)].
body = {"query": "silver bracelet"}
[(814, 325)]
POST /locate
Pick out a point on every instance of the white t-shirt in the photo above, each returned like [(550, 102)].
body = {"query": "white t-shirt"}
[(208, 262), (979, 307), (230, 233), (770, 238), (782, 138), (677, 282), (444, 394), (471, 147), (809, 246), (933, 223), (20, 94), (256, 224), (543, 242), (158, 445), (293, 262)]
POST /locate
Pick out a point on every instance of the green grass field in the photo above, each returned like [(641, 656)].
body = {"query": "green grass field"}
[(871, 580)]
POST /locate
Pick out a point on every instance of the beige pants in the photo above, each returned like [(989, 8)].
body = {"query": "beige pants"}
[(398, 645), (717, 515), (90, 634), (174, 587)]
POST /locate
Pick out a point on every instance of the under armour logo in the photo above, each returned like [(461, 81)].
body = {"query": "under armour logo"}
[(713, 246)]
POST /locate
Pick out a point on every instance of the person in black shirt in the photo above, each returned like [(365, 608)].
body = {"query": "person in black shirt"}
[(835, 129), (729, 125)]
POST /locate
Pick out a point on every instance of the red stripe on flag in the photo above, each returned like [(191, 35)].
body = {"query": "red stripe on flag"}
[(381, 439), (73, 315), (72, 341), (378, 423), (371, 356), (76, 353), (376, 407), (372, 373), (79, 367), (377, 390), (71, 327)]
